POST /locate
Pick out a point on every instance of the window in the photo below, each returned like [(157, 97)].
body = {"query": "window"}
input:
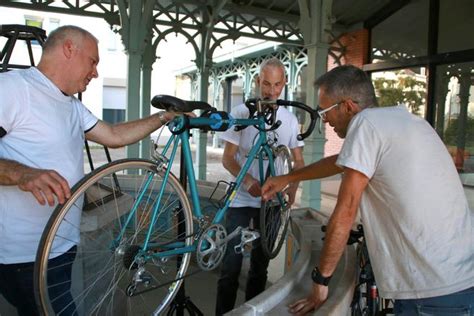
[(113, 116), (455, 113), (403, 35), (456, 23), (114, 103), (35, 21), (52, 25), (407, 86)]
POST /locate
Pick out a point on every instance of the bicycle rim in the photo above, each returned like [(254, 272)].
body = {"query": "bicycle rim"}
[(107, 220), (274, 214)]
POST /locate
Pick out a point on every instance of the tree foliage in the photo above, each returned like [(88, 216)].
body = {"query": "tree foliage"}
[(453, 130), (405, 89)]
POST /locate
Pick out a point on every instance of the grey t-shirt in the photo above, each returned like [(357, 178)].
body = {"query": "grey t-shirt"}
[(417, 222)]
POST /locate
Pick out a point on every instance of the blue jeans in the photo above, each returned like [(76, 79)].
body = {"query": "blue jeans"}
[(17, 285), (456, 304), (232, 263)]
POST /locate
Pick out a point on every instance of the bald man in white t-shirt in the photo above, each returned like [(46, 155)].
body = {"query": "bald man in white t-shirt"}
[(245, 206), (43, 127)]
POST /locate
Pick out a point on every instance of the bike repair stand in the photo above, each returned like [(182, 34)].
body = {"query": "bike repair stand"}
[(182, 302)]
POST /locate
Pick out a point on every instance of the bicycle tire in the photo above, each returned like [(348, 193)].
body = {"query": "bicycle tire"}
[(275, 214), (105, 262), (363, 304)]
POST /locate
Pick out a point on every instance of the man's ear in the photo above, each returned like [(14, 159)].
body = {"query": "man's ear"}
[(68, 48), (352, 107)]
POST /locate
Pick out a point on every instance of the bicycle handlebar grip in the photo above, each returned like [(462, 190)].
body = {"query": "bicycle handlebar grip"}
[(251, 104), (312, 113)]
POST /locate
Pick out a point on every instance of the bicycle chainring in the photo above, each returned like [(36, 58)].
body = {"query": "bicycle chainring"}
[(211, 247)]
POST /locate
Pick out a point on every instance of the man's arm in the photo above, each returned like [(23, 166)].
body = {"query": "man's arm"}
[(251, 184), (338, 229), (126, 133), (323, 168), (43, 184)]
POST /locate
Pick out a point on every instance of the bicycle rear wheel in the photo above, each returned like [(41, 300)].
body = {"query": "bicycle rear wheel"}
[(274, 214), (365, 301), (104, 226)]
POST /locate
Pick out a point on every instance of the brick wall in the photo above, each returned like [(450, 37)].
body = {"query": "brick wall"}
[(355, 45)]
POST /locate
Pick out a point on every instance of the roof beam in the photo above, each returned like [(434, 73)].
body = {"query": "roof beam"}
[(251, 10), (386, 11)]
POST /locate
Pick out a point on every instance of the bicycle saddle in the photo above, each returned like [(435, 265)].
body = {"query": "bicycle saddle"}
[(170, 103)]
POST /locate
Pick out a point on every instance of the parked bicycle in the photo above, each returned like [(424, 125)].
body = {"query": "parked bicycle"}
[(366, 300), (134, 228)]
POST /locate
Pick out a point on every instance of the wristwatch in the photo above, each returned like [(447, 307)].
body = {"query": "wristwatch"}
[(318, 278)]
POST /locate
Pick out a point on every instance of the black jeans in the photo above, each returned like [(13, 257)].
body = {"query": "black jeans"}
[(17, 285), (232, 263)]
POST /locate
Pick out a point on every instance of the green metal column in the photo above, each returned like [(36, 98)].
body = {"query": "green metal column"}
[(215, 103), (133, 95), (247, 82), (204, 62), (292, 77), (314, 21), (148, 59), (199, 136), (136, 19)]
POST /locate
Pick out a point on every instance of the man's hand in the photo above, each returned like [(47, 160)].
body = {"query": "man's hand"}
[(312, 302), (291, 192), (252, 186), (171, 115), (274, 185), (44, 185)]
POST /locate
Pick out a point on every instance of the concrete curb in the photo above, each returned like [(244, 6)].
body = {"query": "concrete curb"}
[(296, 283)]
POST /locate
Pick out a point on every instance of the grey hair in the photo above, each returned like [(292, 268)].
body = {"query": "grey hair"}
[(272, 62), (348, 81), (59, 35)]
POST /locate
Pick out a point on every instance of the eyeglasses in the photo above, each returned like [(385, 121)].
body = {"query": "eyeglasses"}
[(322, 113)]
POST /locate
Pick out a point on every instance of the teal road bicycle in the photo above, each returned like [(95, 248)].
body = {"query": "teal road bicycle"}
[(131, 229)]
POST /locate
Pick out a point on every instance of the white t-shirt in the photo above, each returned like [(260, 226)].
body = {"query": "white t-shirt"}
[(415, 214), (285, 134), (45, 129)]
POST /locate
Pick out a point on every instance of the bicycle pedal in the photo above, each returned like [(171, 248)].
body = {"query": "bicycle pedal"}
[(249, 235), (246, 237)]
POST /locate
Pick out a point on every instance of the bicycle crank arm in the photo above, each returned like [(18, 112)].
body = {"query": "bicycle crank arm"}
[(234, 234)]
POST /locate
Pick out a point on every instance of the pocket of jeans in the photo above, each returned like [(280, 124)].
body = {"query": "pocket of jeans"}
[(443, 311)]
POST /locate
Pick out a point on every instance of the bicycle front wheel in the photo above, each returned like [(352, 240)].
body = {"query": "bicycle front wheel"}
[(113, 247), (274, 214)]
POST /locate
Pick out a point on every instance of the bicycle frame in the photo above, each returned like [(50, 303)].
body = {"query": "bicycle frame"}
[(260, 150)]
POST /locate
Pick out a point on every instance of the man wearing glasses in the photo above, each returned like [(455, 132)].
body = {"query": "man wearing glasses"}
[(416, 218)]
